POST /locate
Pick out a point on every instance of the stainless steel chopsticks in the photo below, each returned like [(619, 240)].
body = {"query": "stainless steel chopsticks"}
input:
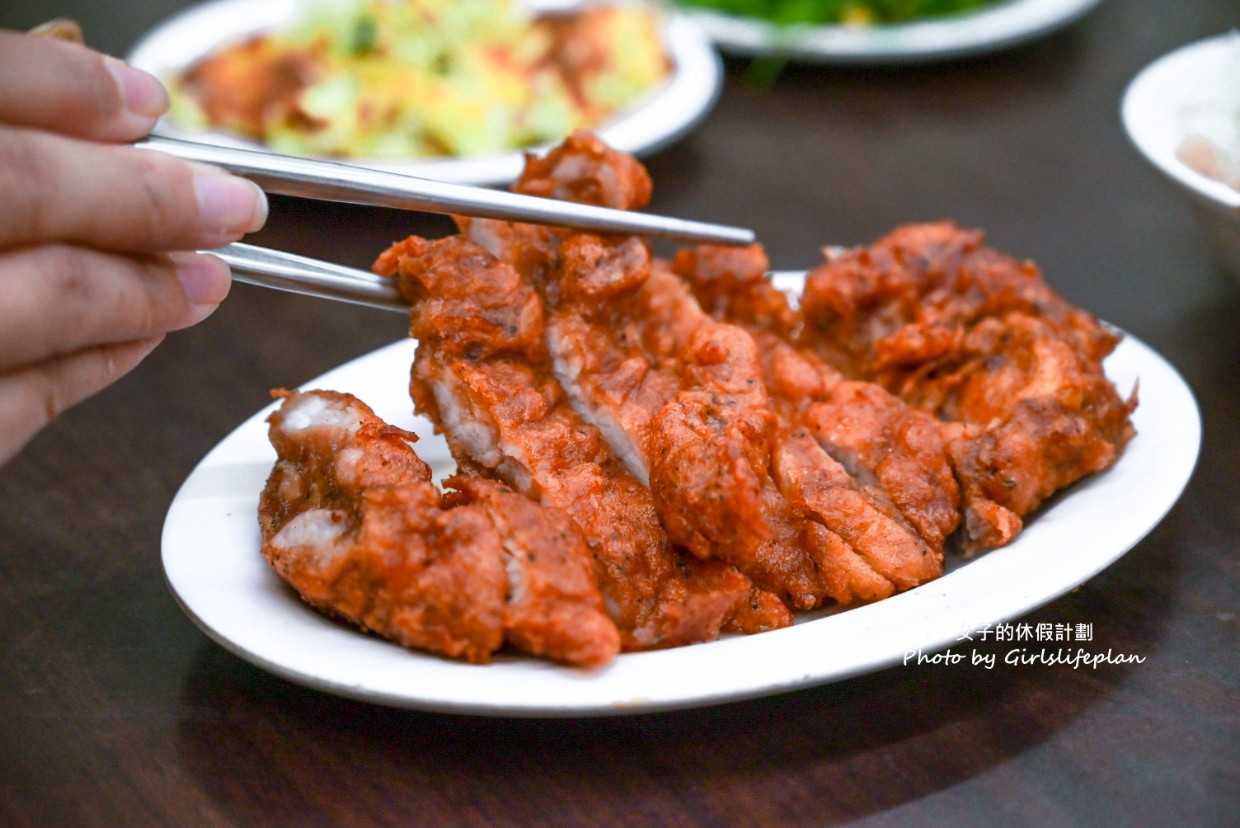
[(332, 181), (310, 277)]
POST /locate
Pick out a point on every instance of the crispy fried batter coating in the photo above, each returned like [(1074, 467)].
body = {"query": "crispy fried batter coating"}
[(982, 342), (485, 380), (679, 404), (688, 451), (351, 520), (615, 332), (584, 169), (896, 452), (680, 397)]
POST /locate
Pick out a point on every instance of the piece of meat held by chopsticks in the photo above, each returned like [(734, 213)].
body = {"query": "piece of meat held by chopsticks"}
[(680, 398), (594, 291), (351, 520), (981, 341), (482, 374)]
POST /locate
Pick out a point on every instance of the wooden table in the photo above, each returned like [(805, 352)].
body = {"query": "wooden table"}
[(117, 710)]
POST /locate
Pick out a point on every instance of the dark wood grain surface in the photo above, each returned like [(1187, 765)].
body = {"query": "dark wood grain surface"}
[(116, 710)]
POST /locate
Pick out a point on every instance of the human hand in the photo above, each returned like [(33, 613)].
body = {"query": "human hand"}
[(93, 272)]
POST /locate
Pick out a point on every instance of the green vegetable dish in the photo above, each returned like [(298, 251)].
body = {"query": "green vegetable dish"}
[(846, 12)]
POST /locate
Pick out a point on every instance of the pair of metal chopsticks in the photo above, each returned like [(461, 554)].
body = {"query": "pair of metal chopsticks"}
[(331, 181)]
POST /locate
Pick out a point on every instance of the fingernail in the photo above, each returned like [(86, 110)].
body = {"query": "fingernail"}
[(59, 28), (204, 278), (228, 206), (142, 93)]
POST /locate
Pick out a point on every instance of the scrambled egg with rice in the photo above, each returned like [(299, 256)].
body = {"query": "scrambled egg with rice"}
[(416, 79)]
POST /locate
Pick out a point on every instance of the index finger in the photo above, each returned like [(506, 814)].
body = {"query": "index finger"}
[(68, 88)]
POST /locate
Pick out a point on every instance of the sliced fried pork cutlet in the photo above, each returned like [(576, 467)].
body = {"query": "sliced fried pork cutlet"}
[(654, 452), (351, 520), (482, 374), (709, 449), (981, 341), (897, 453), (679, 395), (614, 342), (730, 434)]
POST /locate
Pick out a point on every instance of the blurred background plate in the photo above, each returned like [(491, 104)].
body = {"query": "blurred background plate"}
[(1193, 95), (989, 29), (661, 117)]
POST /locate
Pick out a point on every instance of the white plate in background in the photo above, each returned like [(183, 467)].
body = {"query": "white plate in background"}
[(662, 116)]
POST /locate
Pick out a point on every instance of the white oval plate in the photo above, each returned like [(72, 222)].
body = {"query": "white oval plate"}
[(986, 30), (660, 118), (214, 567), (1194, 90)]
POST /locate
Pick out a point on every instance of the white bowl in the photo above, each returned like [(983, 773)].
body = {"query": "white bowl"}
[(1194, 93)]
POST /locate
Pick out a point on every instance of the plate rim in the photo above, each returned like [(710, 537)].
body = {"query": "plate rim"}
[(877, 653), (661, 117), (989, 29)]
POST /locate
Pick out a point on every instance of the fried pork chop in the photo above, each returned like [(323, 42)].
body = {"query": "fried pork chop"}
[(680, 398), (981, 341), (696, 453), (482, 374), (896, 452), (351, 520)]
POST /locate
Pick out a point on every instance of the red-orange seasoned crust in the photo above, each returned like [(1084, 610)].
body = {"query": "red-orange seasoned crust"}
[(654, 452), (352, 521), (486, 381), (982, 342)]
